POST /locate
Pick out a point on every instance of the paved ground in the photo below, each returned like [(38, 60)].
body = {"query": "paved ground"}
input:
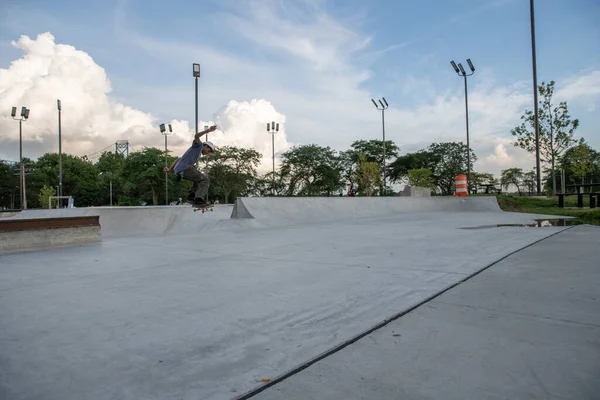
[(526, 328), (207, 314)]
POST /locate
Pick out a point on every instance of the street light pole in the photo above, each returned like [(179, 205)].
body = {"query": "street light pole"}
[(461, 72), (384, 106), (535, 101), (60, 176), (272, 129), (23, 117), (163, 130), (196, 73)]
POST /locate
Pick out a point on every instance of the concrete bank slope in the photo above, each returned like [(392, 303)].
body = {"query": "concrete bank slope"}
[(148, 221), (345, 208), (526, 328)]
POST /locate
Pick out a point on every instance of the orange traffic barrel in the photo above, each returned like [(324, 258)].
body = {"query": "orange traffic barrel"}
[(461, 186)]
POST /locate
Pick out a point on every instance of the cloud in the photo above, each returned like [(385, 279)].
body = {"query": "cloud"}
[(92, 120), (582, 89)]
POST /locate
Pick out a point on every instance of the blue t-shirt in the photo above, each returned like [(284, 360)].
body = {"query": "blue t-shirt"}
[(189, 157)]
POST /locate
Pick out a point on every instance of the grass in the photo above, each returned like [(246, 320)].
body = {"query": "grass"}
[(549, 206)]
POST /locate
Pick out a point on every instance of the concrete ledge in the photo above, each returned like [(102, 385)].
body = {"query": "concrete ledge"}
[(28, 234)]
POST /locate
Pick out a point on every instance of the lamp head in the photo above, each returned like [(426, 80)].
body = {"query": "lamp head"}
[(470, 65), (454, 66)]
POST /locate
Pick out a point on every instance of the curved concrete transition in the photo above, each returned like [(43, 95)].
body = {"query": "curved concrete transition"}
[(149, 221), (286, 209)]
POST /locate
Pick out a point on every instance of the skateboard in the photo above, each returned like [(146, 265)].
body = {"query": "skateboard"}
[(209, 206)]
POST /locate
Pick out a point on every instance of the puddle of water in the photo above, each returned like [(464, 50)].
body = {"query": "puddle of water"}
[(539, 223)]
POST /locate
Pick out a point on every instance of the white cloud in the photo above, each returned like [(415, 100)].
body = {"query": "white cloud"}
[(583, 89), (92, 120)]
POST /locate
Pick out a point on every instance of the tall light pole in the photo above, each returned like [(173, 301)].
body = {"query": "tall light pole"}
[(273, 128), (461, 72), (196, 72), (60, 176), (23, 117), (535, 101), (163, 130), (384, 106)]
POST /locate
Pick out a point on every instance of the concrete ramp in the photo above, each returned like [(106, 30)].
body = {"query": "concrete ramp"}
[(307, 209), (120, 222)]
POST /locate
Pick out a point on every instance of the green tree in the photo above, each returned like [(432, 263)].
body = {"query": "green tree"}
[(448, 160), (399, 168), (530, 181), (368, 175), (373, 151), (308, 170), (420, 177), (482, 178), (556, 127), (579, 161), (44, 196), (80, 178), (9, 186), (110, 170), (512, 176), (232, 171), (144, 179)]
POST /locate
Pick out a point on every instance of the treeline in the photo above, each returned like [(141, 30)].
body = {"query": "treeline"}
[(307, 170)]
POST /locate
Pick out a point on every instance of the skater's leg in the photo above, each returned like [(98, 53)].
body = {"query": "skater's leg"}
[(201, 182)]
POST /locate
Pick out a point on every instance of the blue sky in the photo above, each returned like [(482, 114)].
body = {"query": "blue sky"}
[(318, 62)]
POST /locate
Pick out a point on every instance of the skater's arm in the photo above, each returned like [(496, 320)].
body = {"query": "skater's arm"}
[(204, 132), (172, 166)]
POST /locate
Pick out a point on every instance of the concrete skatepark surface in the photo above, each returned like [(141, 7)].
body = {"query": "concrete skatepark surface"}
[(198, 306)]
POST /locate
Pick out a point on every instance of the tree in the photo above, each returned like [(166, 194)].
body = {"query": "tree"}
[(265, 185), (44, 196), (232, 169), (555, 125), (420, 177), (308, 169), (511, 176), (529, 180), (144, 176), (110, 169), (9, 186), (579, 161), (368, 175), (373, 152), (447, 161), (399, 168), (80, 178), (482, 178)]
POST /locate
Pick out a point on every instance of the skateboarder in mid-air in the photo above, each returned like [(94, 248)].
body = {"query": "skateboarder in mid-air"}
[(185, 167)]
